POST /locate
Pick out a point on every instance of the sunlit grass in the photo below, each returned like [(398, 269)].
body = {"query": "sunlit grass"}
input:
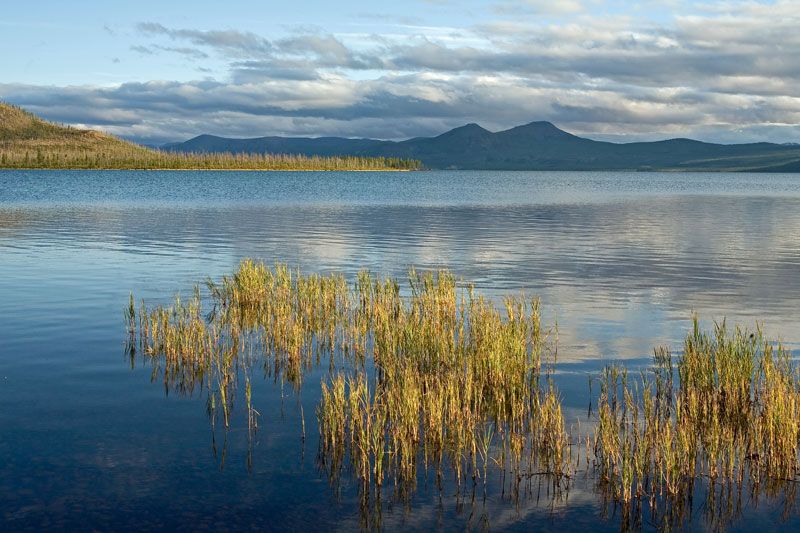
[(431, 377), (440, 376), (28, 142), (732, 417)]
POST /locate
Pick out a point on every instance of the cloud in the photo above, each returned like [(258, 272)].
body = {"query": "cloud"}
[(187, 52), (392, 106), (231, 42), (718, 71), (541, 7)]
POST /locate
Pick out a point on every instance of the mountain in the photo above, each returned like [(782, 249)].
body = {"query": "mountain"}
[(323, 146), (533, 146)]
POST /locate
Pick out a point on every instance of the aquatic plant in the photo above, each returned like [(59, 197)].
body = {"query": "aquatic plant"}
[(440, 376), (431, 377), (454, 380), (733, 417)]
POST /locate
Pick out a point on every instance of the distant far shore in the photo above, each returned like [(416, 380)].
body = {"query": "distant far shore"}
[(188, 169), (28, 142)]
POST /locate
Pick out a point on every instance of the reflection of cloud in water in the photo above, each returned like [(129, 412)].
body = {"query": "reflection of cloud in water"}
[(618, 276), (579, 505)]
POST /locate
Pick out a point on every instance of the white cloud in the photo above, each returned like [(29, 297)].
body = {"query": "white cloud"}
[(543, 7), (712, 69)]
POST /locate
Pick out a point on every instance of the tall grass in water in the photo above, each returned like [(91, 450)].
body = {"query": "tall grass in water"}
[(440, 377), (733, 419), (454, 380), (432, 378)]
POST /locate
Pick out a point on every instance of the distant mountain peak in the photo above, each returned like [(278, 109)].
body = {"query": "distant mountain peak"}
[(470, 129), (538, 129), (544, 124)]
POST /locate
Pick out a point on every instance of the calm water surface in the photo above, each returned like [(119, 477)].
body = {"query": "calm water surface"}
[(620, 260)]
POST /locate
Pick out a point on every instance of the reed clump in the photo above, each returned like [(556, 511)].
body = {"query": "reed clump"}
[(732, 418), (431, 378), (438, 377), (455, 384)]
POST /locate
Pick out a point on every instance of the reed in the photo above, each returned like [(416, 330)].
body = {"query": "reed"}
[(431, 377), (438, 377), (733, 417), (453, 379)]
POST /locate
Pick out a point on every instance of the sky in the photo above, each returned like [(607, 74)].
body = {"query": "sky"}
[(156, 71)]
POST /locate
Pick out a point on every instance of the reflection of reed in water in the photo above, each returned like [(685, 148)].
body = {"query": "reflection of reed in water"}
[(443, 380), (717, 503)]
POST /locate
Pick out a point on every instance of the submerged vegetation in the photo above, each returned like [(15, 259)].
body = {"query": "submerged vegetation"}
[(28, 142), (434, 380)]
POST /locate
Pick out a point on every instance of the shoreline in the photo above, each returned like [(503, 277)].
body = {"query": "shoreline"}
[(636, 170), (222, 169)]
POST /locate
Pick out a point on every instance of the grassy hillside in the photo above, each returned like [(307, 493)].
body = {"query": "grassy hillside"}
[(26, 141)]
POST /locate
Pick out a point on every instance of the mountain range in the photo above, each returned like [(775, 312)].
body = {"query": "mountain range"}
[(533, 146)]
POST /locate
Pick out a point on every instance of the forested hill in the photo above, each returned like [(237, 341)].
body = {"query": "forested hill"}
[(27, 141)]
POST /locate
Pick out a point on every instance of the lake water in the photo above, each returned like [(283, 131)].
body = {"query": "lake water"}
[(620, 261)]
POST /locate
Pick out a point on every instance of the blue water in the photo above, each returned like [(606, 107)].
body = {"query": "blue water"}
[(88, 441)]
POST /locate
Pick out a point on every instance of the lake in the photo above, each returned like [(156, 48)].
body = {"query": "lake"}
[(91, 440)]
